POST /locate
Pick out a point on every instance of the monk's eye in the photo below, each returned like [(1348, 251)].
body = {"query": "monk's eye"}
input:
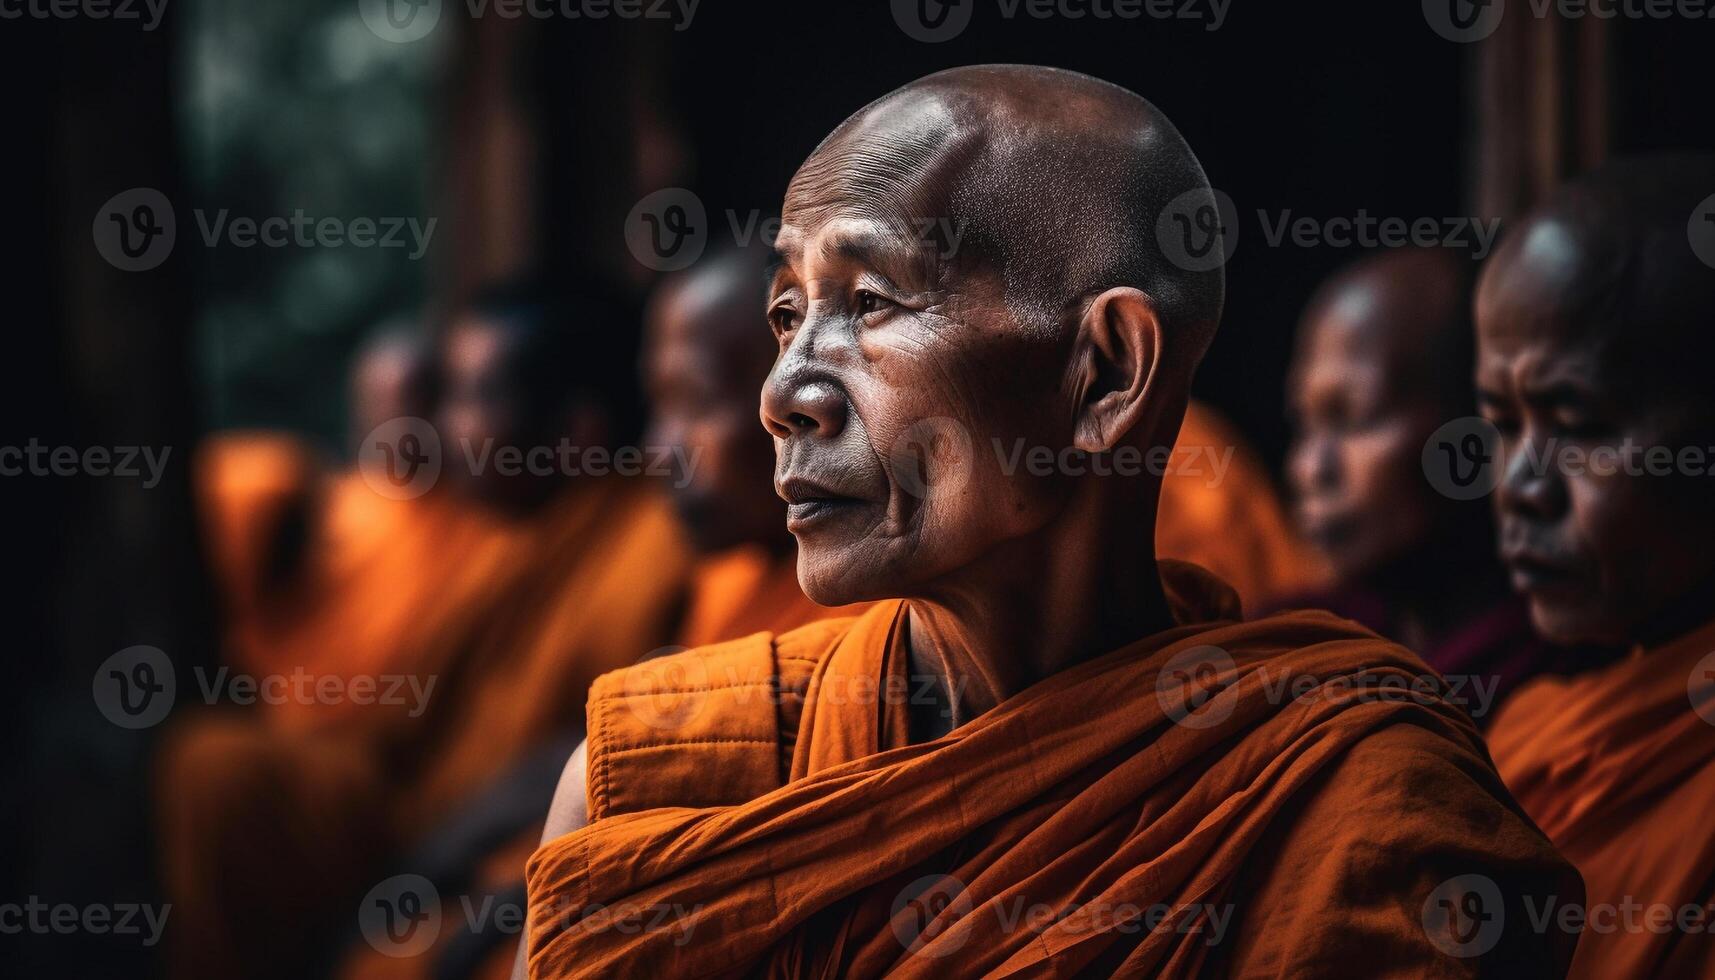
[(868, 302), (783, 321)]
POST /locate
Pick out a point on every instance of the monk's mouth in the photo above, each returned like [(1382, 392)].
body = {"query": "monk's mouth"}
[(1532, 575), (805, 514)]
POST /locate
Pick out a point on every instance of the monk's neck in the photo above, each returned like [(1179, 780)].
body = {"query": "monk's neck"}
[(1084, 586)]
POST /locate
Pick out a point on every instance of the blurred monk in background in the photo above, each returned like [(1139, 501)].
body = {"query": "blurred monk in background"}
[(1042, 751), (1594, 348), (1220, 509), (706, 354), (563, 562), (1384, 358)]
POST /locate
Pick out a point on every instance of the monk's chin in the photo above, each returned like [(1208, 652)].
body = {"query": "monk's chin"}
[(831, 582), (1574, 623)]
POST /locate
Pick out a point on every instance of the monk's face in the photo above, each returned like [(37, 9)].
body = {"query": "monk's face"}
[(1598, 551), (1358, 490), (482, 404), (895, 379), (702, 382), (388, 382)]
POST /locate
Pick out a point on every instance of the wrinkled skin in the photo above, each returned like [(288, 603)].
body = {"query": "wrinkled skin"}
[(905, 358), (1569, 355)]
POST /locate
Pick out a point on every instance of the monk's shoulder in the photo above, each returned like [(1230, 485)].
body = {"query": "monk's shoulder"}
[(1369, 850), (709, 726)]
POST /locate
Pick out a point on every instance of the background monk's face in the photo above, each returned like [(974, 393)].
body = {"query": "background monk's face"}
[(1354, 464), (391, 380), (1597, 554), (495, 398), (703, 372), (483, 402), (894, 381)]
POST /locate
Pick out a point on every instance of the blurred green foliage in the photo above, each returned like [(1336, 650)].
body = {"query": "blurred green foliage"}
[(300, 107)]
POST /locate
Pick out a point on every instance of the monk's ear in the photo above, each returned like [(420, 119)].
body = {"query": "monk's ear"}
[(1114, 364)]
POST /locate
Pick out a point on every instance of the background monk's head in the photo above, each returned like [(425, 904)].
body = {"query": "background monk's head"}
[(707, 352), (535, 373), (1384, 358), (392, 377), (1594, 326), (968, 269)]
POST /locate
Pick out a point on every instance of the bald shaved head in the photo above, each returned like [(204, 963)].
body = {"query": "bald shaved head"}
[(1594, 340), (966, 264), (1384, 357), (1053, 181)]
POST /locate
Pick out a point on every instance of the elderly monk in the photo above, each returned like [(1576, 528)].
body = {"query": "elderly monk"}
[(273, 827), (1045, 752), (1384, 359), (1594, 347)]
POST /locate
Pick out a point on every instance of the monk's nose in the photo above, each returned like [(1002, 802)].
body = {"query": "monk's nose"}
[(804, 406), (1530, 484)]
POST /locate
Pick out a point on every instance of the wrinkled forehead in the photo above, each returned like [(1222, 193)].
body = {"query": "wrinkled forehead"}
[(893, 169)]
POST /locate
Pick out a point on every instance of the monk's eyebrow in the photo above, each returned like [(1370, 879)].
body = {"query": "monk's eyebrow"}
[(905, 262), (777, 260), (1560, 393)]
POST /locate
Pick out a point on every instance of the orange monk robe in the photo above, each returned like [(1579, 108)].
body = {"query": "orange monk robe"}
[(312, 801), (1617, 766), (751, 802), (606, 589), (1219, 509), (255, 492), (394, 587), (735, 593), (746, 590)]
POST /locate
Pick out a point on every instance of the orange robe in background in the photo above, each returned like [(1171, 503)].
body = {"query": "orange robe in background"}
[(313, 800), (255, 494), (752, 805), (746, 590), (391, 586), (1617, 765), (1230, 521), (735, 593)]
